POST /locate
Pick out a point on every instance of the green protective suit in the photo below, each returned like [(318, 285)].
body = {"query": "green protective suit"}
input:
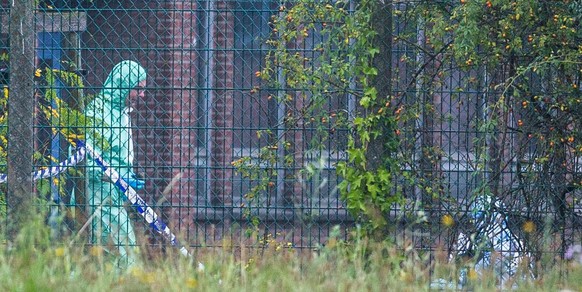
[(112, 124)]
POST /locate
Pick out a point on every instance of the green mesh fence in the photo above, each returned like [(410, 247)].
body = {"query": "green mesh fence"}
[(221, 162)]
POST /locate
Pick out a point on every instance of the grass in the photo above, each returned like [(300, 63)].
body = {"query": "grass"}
[(34, 262)]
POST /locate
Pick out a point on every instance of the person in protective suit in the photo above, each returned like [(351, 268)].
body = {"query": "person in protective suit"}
[(112, 139)]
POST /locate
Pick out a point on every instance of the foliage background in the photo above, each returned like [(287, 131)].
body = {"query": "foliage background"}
[(515, 65), (488, 88)]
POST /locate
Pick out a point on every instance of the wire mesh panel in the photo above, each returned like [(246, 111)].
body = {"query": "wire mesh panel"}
[(170, 94)]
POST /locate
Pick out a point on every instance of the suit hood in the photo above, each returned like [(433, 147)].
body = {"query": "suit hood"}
[(123, 77)]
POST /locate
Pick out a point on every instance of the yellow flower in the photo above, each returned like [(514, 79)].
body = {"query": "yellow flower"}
[(191, 283), (406, 277), (136, 272), (5, 91), (96, 251), (60, 251), (249, 263), (447, 220), (529, 226), (37, 72), (472, 274), (147, 278), (331, 243)]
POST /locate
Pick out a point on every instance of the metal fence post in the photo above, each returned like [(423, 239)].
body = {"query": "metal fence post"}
[(383, 81), (20, 107)]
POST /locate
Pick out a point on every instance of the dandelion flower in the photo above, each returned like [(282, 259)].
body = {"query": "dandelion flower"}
[(191, 283), (447, 220), (136, 272), (148, 278), (60, 252), (331, 243), (472, 274), (529, 226), (96, 251)]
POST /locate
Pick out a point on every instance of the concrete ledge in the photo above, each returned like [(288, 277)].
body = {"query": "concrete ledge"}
[(274, 214)]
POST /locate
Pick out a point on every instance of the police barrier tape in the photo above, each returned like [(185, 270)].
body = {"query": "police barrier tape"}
[(138, 203), (129, 193), (492, 233), (54, 170)]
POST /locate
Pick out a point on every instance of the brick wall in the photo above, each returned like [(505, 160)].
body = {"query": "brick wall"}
[(181, 41), (164, 41), (171, 126), (223, 106), (160, 37), (116, 32)]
